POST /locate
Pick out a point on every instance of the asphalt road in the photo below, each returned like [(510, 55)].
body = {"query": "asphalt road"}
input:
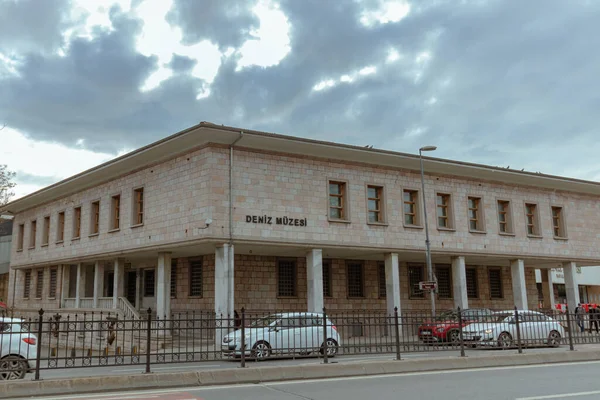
[(578, 381), (223, 364)]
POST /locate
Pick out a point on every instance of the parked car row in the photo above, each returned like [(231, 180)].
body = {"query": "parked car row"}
[(482, 327)]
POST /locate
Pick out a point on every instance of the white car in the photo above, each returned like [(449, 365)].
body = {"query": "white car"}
[(500, 330), (286, 333), (18, 350)]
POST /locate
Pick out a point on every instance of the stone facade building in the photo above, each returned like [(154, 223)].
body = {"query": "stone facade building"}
[(215, 218)]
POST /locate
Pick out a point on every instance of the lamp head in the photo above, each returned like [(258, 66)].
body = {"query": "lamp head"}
[(428, 148)]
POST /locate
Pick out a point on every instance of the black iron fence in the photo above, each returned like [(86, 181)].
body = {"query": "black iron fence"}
[(104, 339)]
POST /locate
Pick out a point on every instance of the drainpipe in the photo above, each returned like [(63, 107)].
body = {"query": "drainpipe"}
[(231, 187)]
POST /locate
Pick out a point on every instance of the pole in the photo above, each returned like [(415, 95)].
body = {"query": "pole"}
[(427, 244), (571, 346), (243, 339), (148, 339), (519, 345), (461, 337), (397, 329), (39, 344), (325, 360)]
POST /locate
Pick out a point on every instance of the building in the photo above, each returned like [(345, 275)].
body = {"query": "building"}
[(588, 280), (220, 218), (5, 249)]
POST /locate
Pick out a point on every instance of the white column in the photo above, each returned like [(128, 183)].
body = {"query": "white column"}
[(118, 281), (517, 269), (98, 282), (163, 270), (550, 288), (168, 287), (392, 283), (224, 280), (80, 284), (571, 285), (314, 280), (64, 288), (459, 283)]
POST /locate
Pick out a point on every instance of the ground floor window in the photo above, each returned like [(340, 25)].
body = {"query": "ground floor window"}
[(286, 278), (356, 279), (149, 280), (196, 278), (415, 275), (173, 278), (495, 281), (327, 278), (472, 283), (444, 280), (382, 287)]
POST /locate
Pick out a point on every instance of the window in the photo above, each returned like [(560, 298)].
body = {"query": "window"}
[(138, 206), (27, 288), (52, 288), (443, 211), (381, 274), (149, 280), (115, 211), (415, 275), (327, 278), (472, 283), (411, 216), (39, 284), (337, 201), (375, 204), (21, 236), (504, 217), (109, 284), (532, 219), (196, 284), (356, 280), (60, 227), (444, 280), (33, 234), (495, 280), (476, 219), (174, 278), (95, 222), (558, 222), (286, 278), (46, 232), (76, 222)]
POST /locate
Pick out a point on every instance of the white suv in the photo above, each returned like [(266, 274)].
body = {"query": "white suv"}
[(286, 333), (18, 350)]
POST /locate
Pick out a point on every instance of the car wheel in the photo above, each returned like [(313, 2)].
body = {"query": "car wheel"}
[(505, 341), (12, 368), (554, 339), (453, 337), (332, 348), (261, 350)]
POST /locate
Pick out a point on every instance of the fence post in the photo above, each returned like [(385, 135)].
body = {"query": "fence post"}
[(325, 360), (571, 346), (243, 338), (518, 331), (148, 340), (397, 329), (38, 358), (460, 333)]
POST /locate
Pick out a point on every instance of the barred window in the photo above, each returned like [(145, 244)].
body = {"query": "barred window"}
[(174, 278), (27, 288), (495, 280), (472, 283), (286, 278), (356, 280), (381, 273), (196, 279), (327, 278), (444, 281), (39, 285), (52, 288), (415, 275), (149, 279)]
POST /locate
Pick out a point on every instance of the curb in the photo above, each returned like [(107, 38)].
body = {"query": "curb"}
[(265, 374)]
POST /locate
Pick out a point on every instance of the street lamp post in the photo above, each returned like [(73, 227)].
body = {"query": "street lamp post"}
[(428, 250)]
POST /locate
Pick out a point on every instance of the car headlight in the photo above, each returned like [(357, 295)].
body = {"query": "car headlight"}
[(488, 331)]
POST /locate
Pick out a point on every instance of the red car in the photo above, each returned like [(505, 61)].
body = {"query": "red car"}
[(445, 328)]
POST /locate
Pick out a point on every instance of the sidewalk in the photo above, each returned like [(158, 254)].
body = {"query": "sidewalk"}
[(283, 371)]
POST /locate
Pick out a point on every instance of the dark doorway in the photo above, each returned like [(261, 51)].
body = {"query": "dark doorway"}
[(130, 291)]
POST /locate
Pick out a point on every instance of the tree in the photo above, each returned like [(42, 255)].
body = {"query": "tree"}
[(6, 184)]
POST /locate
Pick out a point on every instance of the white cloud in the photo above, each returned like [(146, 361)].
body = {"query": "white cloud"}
[(46, 160), (387, 12)]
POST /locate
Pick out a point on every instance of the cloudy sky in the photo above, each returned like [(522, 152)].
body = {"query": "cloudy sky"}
[(503, 83)]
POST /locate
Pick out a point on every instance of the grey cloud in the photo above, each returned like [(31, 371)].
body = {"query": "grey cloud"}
[(32, 25), (225, 22), (181, 64), (511, 79)]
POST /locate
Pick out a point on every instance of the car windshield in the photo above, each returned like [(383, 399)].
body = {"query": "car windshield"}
[(502, 318), (264, 322), (445, 316)]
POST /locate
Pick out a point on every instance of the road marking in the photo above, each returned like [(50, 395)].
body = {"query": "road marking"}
[(560, 396), (304, 381)]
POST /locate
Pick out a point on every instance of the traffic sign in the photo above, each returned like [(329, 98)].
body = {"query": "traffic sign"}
[(427, 285)]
